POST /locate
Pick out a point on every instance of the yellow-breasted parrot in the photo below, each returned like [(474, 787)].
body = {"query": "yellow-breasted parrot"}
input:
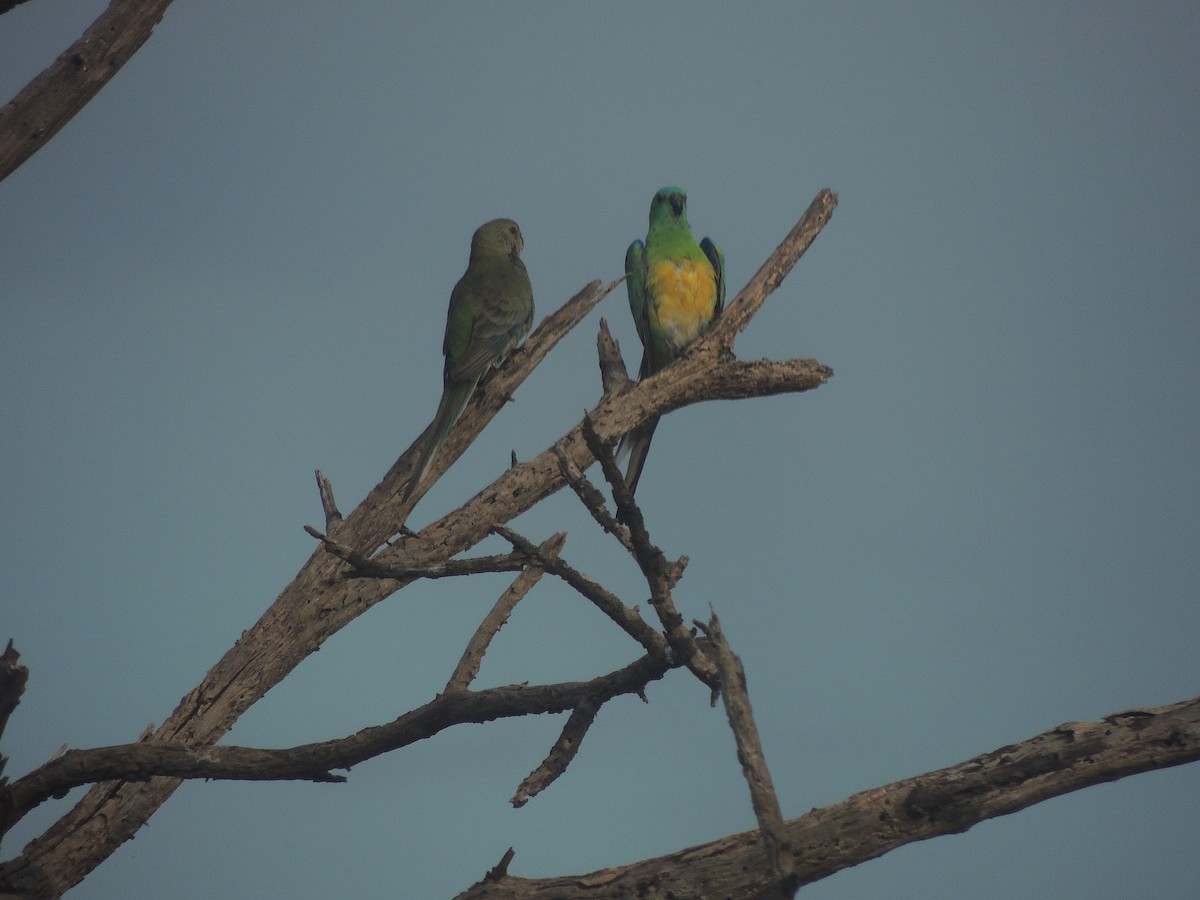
[(676, 289)]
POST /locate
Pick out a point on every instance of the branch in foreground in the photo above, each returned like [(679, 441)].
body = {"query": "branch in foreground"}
[(50, 101), (949, 801), (312, 762)]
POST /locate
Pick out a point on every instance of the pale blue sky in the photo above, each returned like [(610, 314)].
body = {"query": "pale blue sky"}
[(232, 268)]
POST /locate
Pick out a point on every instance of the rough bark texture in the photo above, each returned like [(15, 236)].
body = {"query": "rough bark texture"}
[(48, 102), (1072, 756)]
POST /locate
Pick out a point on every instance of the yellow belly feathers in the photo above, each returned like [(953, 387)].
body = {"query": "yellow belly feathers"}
[(683, 297)]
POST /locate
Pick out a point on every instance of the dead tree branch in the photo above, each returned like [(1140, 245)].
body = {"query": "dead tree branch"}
[(867, 825), (143, 761), (472, 658), (48, 102), (753, 760)]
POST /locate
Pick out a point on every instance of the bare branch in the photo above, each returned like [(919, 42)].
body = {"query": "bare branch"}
[(362, 567), (311, 762), (614, 377), (874, 822), (48, 102), (770, 275), (560, 754), (753, 760), (661, 576), (333, 515), (472, 658), (592, 499), (13, 678), (626, 618)]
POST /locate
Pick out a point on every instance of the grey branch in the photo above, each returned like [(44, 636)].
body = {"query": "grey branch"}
[(626, 618), (363, 567), (561, 753), (468, 666), (753, 760), (661, 576), (333, 515), (48, 102), (311, 762), (867, 825)]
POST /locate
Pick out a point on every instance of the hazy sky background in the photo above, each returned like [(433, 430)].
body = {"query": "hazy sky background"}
[(233, 266)]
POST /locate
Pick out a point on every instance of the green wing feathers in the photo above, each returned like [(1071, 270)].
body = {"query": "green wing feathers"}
[(491, 310)]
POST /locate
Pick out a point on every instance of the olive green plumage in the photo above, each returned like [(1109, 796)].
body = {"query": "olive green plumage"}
[(491, 310)]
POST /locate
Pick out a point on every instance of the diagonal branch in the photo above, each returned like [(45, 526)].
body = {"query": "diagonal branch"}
[(770, 275), (626, 618), (753, 760), (867, 825), (560, 754), (468, 666), (50, 101), (660, 575)]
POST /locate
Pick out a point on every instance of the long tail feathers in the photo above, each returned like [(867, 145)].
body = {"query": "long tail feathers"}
[(453, 402), (637, 444)]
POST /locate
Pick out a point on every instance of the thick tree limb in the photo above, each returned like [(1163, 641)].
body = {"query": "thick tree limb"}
[(48, 102), (1065, 759), (317, 604)]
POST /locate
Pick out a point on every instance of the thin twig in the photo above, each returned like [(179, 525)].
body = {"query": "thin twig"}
[(614, 376), (560, 754), (363, 567), (332, 514), (472, 658), (626, 618), (312, 762), (661, 576), (754, 762), (591, 498)]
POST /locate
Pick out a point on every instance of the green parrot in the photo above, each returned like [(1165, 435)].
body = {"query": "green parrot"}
[(491, 309), (676, 289)]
